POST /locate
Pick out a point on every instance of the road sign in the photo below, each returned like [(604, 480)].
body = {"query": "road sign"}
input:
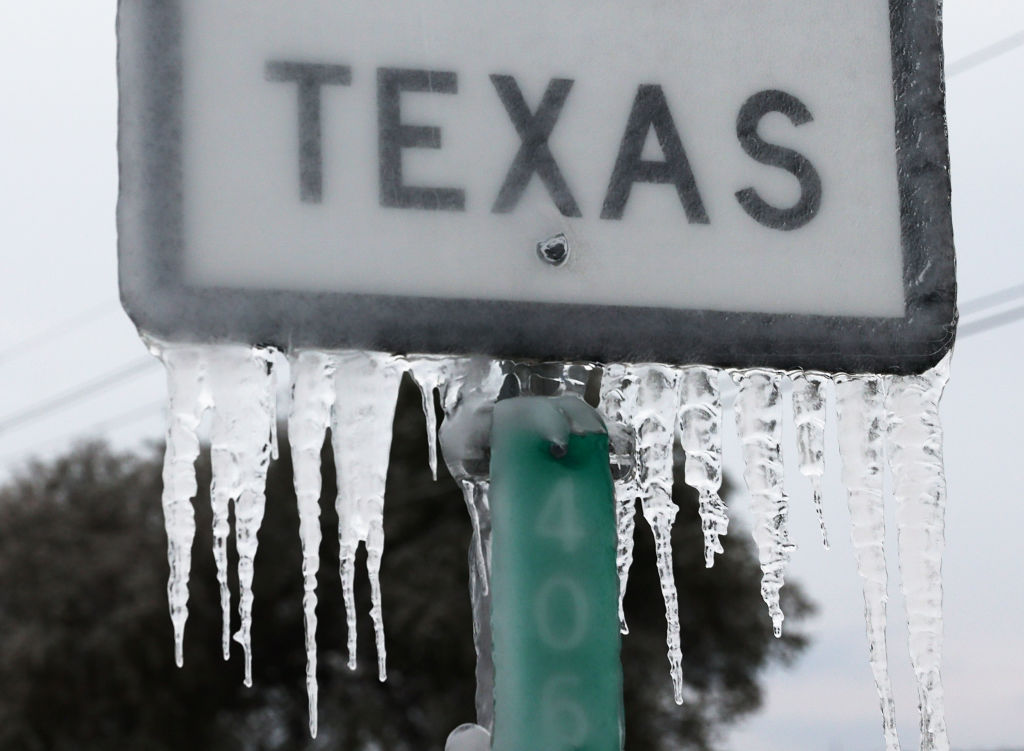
[(727, 182)]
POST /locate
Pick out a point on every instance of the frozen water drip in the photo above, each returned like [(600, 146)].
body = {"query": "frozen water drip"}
[(700, 428), (758, 413), (881, 419), (860, 403)]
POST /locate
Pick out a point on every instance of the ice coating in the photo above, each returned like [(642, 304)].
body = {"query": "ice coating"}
[(860, 405), (758, 413), (244, 397), (187, 400), (312, 402), (366, 390), (553, 378), (647, 403), (355, 393), (700, 428), (809, 420), (914, 446)]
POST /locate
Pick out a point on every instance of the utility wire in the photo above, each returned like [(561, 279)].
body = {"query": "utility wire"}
[(48, 334), (980, 304), (977, 305), (985, 55), (97, 428), (78, 393), (990, 322)]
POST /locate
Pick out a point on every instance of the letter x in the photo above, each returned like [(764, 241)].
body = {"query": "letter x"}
[(534, 154)]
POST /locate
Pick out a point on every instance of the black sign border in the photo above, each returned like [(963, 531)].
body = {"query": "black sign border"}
[(150, 251)]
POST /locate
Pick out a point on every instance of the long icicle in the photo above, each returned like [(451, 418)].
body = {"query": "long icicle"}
[(257, 428), (468, 394), (860, 405), (477, 496), (187, 400), (658, 405), (649, 404), (224, 365), (809, 420), (312, 401), (758, 414), (700, 434), (467, 397), (242, 387), (366, 390), (914, 444), (627, 488)]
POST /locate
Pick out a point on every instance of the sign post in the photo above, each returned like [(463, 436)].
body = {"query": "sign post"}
[(558, 676)]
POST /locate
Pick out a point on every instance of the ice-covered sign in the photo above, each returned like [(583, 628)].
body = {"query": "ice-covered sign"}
[(727, 182)]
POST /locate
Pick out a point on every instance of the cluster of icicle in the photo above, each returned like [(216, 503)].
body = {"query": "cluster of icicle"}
[(354, 394)]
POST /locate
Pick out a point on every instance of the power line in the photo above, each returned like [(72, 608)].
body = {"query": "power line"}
[(105, 425), (48, 334), (965, 330), (68, 398), (991, 322), (979, 304), (985, 55)]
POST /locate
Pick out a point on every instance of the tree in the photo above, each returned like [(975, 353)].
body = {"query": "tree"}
[(86, 660)]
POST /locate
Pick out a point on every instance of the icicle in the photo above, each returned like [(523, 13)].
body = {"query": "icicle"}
[(648, 404), (626, 495), (809, 419), (366, 389), (242, 385), (914, 445), (759, 423), (472, 491), (226, 483), (187, 400), (312, 400), (860, 403), (627, 489), (700, 424), (468, 396), (429, 373), (478, 502)]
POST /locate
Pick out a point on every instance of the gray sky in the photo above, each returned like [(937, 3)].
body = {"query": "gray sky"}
[(61, 327)]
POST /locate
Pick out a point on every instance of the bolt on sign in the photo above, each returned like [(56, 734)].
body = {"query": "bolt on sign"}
[(731, 182)]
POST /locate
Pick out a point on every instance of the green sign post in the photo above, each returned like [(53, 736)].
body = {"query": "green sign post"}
[(558, 676)]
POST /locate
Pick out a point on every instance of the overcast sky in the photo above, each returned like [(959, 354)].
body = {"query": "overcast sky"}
[(61, 327)]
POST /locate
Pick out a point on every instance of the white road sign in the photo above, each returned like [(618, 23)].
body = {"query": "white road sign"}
[(732, 182)]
